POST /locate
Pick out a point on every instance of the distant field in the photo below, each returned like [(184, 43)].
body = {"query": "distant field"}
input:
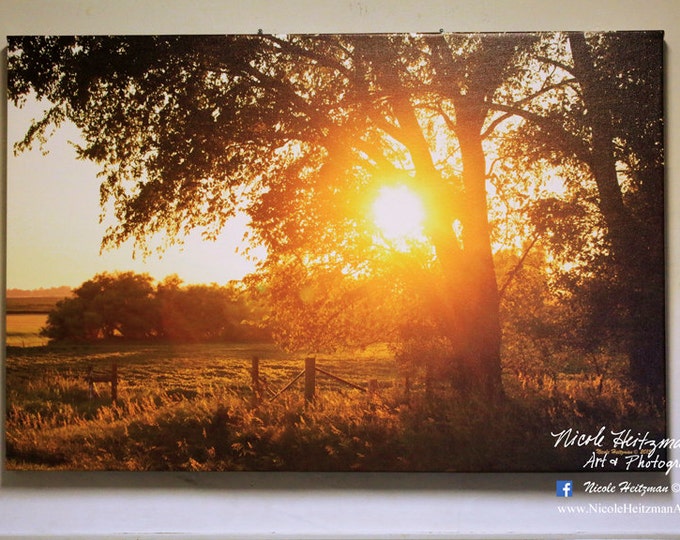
[(31, 305), (23, 328), (24, 319)]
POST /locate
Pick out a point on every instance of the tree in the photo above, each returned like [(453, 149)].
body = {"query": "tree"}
[(199, 313), (300, 132), (183, 126), (621, 84), (69, 320), (598, 117), (106, 306), (128, 305)]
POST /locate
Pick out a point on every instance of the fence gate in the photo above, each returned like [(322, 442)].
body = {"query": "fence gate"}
[(111, 378), (309, 373)]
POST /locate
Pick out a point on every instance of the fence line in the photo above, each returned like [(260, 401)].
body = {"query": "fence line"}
[(288, 385), (310, 380), (339, 379), (112, 379)]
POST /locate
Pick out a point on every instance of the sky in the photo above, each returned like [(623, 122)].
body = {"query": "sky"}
[(53, 230)]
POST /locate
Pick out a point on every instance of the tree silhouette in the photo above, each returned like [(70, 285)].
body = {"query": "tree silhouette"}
[(601, 122), (301, 132), (106, 306), (622, 84)]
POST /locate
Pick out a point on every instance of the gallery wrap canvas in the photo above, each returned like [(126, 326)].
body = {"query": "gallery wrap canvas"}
[(354, 252)]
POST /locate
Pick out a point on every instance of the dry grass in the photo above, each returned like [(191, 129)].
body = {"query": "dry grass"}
[(23, 328), (191, 408)]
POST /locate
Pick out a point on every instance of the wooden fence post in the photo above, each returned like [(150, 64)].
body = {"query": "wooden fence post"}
[(310, 378), (111, 379), (91, 392), (255, 377), (114, 382)]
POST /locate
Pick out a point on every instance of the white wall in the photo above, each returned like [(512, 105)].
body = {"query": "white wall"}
[(139, 505)]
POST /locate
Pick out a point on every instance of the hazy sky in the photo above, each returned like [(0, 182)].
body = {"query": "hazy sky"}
[(53, 230)]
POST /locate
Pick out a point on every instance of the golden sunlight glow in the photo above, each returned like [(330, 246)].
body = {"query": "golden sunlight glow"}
[(399, 215), (554, 185)]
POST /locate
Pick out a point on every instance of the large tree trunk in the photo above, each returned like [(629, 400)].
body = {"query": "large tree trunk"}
[(637, 257), (474, 300), (467, 307), (477, 299)]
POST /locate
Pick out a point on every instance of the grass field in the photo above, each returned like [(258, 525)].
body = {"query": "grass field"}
[(25, 317), (191, 407), (52, 423), (23, 328)]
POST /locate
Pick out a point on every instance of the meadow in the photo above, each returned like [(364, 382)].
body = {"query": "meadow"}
[(193, 407), (23, 328), (179, 407), (24, 319)]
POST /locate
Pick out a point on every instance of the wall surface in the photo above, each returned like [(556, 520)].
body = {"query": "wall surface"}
[(243, 506)]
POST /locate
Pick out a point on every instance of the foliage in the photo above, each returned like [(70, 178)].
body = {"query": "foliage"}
[(514, 142), (598, 120), (106, 306), (206, 313), (130, 306)]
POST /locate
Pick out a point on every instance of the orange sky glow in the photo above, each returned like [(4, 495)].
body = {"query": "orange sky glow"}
[(53, 229)]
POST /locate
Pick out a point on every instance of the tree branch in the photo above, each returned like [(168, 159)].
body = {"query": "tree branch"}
[(516, 104), (557, 63), (293, 48), (560, 137), (513, 273)]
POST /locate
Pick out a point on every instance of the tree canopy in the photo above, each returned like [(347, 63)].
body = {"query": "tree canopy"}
[(127, 305), (508, 139)]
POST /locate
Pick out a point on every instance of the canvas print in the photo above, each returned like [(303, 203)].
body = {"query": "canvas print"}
[(372, 252)]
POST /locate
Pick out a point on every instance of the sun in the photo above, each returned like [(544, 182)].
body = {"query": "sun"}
[(399, 214)]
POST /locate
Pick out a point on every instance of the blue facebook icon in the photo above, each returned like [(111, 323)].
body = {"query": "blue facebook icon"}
[(564, 488)]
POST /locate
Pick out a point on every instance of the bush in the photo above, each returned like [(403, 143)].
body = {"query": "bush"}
[(128, 305), (108, 305)]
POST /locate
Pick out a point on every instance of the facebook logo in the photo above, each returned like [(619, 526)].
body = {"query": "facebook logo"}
[(564, 488)]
